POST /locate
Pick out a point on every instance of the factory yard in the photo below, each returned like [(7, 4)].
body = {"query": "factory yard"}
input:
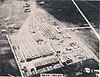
[(43, 44), (40, 43)]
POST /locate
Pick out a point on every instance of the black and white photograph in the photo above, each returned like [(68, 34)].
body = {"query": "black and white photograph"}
[(49, 38)]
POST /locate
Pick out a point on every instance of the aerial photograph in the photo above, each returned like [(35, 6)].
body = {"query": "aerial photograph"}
[(49, 38)]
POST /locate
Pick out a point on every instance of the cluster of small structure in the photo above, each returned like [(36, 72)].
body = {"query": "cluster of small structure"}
[(43, 44)]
